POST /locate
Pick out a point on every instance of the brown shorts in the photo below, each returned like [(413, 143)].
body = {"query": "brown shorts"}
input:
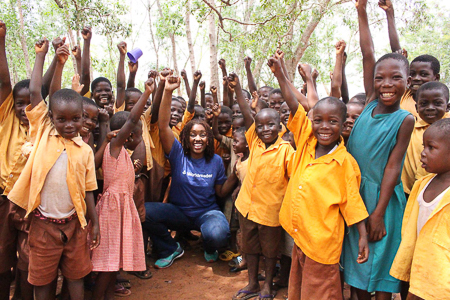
[(22, 229), (139, 195), (312, 280), (257, 238), (54, 246)]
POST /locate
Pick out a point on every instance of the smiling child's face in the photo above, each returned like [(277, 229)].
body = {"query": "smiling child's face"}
[(432, 105), (420, 72), (390, 81)]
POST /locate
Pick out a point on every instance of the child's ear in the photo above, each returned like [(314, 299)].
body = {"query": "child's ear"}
[(408, 81), (448, 107), (437, 77)]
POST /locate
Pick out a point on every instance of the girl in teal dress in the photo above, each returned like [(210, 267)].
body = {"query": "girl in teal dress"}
[(378, 142)]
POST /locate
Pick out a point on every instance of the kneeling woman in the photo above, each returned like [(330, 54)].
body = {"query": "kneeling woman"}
[(197, 176)]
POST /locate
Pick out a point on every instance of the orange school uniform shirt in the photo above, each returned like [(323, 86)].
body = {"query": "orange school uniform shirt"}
[(321, 194), (47, 147), (407, 103), (267, 177), (13, 135)]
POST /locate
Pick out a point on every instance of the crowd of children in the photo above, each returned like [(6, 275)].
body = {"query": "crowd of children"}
[(338, 189)]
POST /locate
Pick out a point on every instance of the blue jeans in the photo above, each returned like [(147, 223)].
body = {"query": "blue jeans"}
[(162, 217)]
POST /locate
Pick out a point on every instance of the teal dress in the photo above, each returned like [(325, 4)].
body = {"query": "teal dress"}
[(371, 143)]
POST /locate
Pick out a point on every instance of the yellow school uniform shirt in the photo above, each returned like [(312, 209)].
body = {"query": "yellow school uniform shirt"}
[(424, 260), (407, 103), (47, 147), (321, 194), (146, 137), (267, 177), (13, 135), (412, 168)]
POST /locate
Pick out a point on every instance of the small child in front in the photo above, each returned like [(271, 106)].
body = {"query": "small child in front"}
[(261, 194), (57, 208), (321, 195), (423, 257)]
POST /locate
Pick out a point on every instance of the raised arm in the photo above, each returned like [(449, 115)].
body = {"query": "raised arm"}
[(153, 74), (201, 85), (215, 124), (213, 90), (336, 82), (227, 99), (159, 94), (62, 54), (311, 95), (85, 75), (132, 120), (387, 6), (344, 86), (191, 103), (251, 81), (76, 52), (367, 49), (48, 76), (41, 48), (5, 79), (165, 132), (132, 67), (120, 97), (283, 65), (275, 66), (186, 82), (233, 81)]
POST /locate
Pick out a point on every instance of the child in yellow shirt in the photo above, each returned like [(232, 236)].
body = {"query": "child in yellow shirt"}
[(261, 194), (423, 257), (323, 192), (432, 105)]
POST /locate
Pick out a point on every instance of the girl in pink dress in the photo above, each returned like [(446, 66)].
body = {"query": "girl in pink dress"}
[(121, 245)]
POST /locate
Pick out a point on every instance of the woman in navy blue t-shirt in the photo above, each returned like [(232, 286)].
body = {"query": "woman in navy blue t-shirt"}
[(197, 176)]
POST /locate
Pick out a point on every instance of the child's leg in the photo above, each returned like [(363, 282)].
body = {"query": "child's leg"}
[(364, 295), (253, 268), (26, 289), (270, 270), (45, 292), (270, 240), (5, 282), (76, 289), (103, 284), (285, 269)]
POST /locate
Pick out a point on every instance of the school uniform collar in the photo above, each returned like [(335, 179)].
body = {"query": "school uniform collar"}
[(274, 146), (78, 140), (338, 155)]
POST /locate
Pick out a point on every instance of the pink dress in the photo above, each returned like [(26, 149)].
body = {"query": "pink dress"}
[(121, 241)]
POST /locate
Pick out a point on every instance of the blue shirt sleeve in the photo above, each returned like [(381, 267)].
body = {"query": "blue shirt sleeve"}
[(221, 177)]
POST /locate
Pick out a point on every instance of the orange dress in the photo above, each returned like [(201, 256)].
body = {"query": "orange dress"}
[(121, 241)]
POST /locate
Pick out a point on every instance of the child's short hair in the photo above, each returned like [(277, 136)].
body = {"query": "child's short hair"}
[(336, 102), (395, 56), (118, 120), (271, 112), (434, 62), (443, 127), (97, 80), (23, 84), (361, 97), (89, 102), (181, 99), (176, 99), (247, 94), (434, 85), (275, 91), (132, 90), (240, 130), (208, 94), (66, 96), (226, 110), (266, 87), (361, 105)]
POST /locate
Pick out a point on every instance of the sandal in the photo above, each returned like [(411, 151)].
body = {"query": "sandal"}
[(120, 291), (268, 297), (228, 255), (124, 282), (245, 295), (147, 274)]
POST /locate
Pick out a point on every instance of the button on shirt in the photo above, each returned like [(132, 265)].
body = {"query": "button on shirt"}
[(321, 194)]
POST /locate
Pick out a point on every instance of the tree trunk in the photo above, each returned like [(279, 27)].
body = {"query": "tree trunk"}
[(72, 43), (156, 48), (257, 70), (23, 40), (188, 35), (213, 63), (241, 53)]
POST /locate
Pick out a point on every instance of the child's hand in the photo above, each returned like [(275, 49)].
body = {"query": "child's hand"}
[(152, 74), (197, 75), (202, 85), (274, 65), (385, 5), (255, 99), (402, 52), (112, 134), (133, 67), (86, 33), (340, 47), (375, 228), (233, 81), (95, 236), (103, 116), (222, 64), (360, 3), (58, 42), (150, 85), (213, 90), (363, 252), (331, 75), (2, 29), (63, 54), (137, 165), (41, 46), (172, 83), (305, 71), (279, 54), (209, 114), (304, 89), (315, 74), (76, 51), (76, 86), (247, 61), (216, 110), (183, 74), (164, 74), (122, 46), (110, 109)]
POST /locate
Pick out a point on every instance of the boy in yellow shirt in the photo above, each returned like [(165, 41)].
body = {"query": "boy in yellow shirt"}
[(432, 105), (261, 194), (423, 257), (323, 192), (57, 208)]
